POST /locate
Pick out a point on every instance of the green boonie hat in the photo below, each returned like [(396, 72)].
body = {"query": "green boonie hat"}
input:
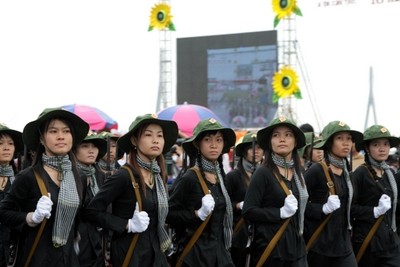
[(246, 140), (210, 124), (31, 134), (264, 133), (309, 135), (105, 135), (377, 132), (16, 137), (335, 127), (170, 131), (99, 142)]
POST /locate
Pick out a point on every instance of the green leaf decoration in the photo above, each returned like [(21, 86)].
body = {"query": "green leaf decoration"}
[(171, 27), (297, 11), (298, 94), (150, 28), (275, 98), (276, 21)]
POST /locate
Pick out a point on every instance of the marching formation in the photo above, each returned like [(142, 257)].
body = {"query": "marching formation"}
[(291, 198)]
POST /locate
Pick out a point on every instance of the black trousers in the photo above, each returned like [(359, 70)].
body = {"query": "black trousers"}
[(371, 259), (318, 260)]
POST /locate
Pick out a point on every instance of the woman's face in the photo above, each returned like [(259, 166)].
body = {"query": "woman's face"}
[(259, 153), (317, 155), (379, 149), (342, 143), (211, 146), (86, 153), (283, 141), (7, 149), (150, 143), (57, 140)]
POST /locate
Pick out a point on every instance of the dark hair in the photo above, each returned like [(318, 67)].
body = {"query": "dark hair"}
[(41, 149), (269, 163), (306, 128)]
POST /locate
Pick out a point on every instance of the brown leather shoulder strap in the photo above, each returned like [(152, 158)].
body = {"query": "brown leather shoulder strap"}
[(201, 180), (43, 191), (329, 181), (199, 230), (139, 201), (272, 244), (331, 187), (368, 238), (371, 232)]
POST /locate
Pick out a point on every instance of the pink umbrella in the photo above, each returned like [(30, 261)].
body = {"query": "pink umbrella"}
[(96, 118), (187, 116)]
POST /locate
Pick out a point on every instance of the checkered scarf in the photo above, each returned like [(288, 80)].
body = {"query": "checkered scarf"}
[(68, 198), (341, 164), (384, 166), (213, 167), (90, 172), (6, 171), (303, 194), (162, 198)]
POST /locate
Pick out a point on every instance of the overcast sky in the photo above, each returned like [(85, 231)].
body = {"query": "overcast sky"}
[(99, 53)]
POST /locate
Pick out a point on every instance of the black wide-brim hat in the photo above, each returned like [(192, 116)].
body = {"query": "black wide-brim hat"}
[(210, 125), (245, 141), (265, 133), (16, 137), (170, 132), (31, 132)]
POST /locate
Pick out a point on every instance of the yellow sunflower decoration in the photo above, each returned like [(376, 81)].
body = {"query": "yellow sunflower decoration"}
[(285, 84), (284, 8), (161, 18)]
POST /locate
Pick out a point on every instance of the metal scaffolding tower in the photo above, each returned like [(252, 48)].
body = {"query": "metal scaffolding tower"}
[(164, 98), (289, 53), (287, 56)]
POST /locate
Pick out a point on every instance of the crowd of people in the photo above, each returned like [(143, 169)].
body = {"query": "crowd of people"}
[(293, 198)]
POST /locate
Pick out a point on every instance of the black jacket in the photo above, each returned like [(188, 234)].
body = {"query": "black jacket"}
[(21, 199)]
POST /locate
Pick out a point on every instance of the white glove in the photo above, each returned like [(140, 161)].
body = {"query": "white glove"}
[(241, 205), (43, 209), (384, 205), (290, 207), (139, 222), (331, 205), (207, 206)]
